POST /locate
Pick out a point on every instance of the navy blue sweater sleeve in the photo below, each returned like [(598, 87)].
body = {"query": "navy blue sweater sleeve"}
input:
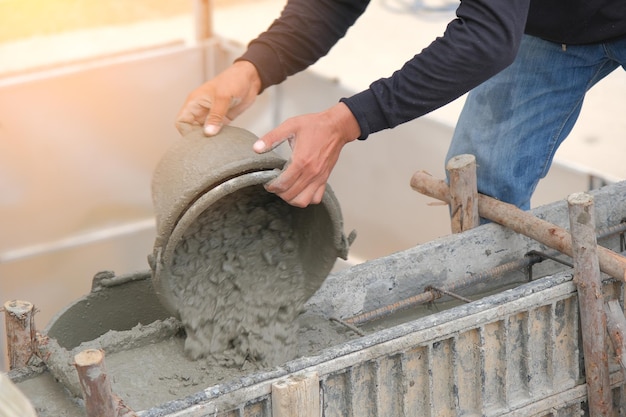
[(482, 40), (304, 32)]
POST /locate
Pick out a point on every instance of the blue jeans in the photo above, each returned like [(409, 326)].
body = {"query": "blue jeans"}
[(514, 122)]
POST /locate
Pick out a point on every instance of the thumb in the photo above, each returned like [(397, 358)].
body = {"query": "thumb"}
[(271, 141), (213, 124), (216, 118), (212, 129)]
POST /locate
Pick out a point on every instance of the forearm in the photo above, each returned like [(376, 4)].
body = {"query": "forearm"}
[(305, 32), (346, 124), (482, 41)]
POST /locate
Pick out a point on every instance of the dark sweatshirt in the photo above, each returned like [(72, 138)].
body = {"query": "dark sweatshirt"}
[(479, 43)]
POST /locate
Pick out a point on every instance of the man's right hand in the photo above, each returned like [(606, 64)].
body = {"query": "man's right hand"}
[(220, 100)]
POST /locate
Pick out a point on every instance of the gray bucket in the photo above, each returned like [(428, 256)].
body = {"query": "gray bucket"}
[(198, 173)]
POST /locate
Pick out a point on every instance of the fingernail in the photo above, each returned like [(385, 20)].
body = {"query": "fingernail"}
[(259, 146), (211, 130)]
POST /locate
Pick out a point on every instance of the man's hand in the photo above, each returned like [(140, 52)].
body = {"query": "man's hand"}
[(220, 100), (316, 141)]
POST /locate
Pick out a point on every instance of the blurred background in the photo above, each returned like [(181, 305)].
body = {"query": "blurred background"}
[(31, 18), (89, 91)]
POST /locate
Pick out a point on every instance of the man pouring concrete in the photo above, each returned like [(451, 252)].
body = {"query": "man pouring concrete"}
[(526, 63)]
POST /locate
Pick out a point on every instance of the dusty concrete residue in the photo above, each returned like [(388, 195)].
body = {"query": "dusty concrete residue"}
[(238, 280)]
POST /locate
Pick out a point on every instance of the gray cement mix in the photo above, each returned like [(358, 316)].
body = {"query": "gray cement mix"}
[(238, 282)]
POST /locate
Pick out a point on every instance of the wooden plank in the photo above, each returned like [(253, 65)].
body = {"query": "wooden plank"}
[(296, 396)]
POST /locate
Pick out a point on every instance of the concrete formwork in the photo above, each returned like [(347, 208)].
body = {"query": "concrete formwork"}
[(515, 353)]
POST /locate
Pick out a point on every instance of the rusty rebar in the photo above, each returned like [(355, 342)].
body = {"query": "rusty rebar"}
[(448, 293)]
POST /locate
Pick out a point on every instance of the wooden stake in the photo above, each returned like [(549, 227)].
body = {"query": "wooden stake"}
[(296, 396), (96, 387), (522, 222), (20, 330), (463, 193), (591, 301)]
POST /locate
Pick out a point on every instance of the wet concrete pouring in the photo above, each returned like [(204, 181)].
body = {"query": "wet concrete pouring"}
[(238, 281), (240, 293)]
